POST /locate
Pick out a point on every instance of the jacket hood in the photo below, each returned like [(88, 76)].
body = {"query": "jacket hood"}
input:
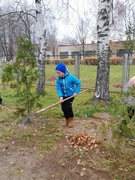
[(66, 73)]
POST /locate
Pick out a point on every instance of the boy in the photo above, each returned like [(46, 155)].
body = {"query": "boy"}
[(67, 85)]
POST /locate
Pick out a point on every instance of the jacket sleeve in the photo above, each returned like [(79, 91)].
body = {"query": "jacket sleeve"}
[(77, 82), (58, 88)]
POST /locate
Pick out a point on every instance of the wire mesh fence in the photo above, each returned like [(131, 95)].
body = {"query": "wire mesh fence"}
[(86, 70)]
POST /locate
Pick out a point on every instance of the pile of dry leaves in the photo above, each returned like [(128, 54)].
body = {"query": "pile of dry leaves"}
[(82, 140)]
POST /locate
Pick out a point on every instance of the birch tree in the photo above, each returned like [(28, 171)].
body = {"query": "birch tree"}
[(103, 69), (42, 55)]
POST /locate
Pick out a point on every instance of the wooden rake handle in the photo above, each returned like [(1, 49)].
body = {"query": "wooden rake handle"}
[(29, 116), (48, 107)]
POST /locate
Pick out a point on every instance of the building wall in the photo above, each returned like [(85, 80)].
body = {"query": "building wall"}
[(114, 47)]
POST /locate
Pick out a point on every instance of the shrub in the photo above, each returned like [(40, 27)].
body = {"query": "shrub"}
[(93, 60), (116, 60), (133, 60), (56, 61), (90, 60)]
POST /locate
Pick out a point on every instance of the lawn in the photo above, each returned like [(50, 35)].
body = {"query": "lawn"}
[(39, 149), (88, 75), (28, 150)]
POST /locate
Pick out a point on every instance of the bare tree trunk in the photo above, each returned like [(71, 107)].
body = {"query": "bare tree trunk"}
[(42, 55), (103, 69)]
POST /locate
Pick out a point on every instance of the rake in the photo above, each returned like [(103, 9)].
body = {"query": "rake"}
[(48, 107)]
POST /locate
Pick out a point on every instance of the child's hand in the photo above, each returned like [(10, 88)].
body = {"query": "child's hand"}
[(75, 94), (61, 99)]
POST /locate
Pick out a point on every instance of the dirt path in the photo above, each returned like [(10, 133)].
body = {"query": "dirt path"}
[(61, 163)]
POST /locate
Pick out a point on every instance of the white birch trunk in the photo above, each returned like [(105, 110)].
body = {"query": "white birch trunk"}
[(103, 69), (42, 55)]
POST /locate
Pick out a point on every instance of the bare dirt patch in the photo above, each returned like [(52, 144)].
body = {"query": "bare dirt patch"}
[(63, 162)]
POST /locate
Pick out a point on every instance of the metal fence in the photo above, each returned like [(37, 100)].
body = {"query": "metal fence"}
[(87, 72), (119, 74)]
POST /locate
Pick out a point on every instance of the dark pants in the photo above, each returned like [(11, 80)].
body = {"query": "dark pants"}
[(67, 109), (131, 111)]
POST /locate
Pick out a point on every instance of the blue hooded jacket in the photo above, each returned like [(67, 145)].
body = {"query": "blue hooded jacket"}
[(67, 85)]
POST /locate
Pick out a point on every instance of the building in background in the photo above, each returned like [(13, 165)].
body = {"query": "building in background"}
[(69, 51)]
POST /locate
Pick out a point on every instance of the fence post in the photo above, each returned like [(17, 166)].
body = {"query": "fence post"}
[(77, 67), (126, 70)]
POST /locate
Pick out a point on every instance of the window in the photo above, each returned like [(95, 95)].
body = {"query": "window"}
[(121, 52), (75, 53), (90, 53), (63, 55)]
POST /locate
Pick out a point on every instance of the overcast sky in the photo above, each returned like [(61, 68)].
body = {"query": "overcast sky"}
[(67, 16)]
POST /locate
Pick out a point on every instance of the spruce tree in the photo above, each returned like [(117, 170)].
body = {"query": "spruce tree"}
[(22, 75)]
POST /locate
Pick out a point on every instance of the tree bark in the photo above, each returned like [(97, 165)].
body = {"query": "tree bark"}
[(103, 69), (42, 55)]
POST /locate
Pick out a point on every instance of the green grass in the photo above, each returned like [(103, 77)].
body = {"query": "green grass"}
[(88, 75), (43, 131), (83, 105)]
